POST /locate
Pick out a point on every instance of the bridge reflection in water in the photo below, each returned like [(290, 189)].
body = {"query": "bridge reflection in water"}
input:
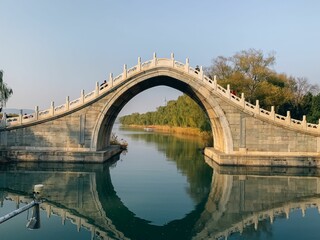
[(239, 198)]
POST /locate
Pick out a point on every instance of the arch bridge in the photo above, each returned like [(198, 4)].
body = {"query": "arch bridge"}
[(80, 129)]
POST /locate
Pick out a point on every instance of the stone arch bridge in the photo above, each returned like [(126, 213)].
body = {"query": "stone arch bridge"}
[(80, 129)]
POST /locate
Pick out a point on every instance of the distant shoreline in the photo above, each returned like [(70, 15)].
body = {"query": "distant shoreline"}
[(181, 131), (168, 129)]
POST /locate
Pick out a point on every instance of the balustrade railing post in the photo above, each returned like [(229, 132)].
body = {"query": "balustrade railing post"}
[(124, 74), (111, 79), (48, 210), (272, 113), (257, 107), (288, 118), (187, 65), (256, 222), (172, 59), (20, 116), (67, 103), (242, 100), (52, 108), (303, 210), (36, 112), (287, 212), (201, 73), (139, 64), (78, 223), (215, 82), (154, 60), (228, 91), (318, 125), (271, 216), (304, 122), (82, 96), (4, 120), (96, 93)]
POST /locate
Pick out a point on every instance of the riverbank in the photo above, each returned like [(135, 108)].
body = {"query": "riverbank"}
[(183, 131), (167, 129)]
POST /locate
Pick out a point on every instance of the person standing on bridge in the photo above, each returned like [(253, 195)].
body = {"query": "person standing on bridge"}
[(103, 85)]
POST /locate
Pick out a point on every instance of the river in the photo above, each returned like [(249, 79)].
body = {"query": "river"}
[(161, 188)]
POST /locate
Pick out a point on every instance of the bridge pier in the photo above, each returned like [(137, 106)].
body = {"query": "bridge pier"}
[(32, 155), (270, 159)]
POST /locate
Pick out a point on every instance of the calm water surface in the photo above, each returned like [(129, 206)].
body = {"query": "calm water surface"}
[(162, 188)]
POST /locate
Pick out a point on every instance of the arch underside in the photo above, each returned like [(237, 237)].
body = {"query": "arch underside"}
[(197, 91)]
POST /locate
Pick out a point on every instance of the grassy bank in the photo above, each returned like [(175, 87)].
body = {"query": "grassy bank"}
[(169, 129), (181, 131)]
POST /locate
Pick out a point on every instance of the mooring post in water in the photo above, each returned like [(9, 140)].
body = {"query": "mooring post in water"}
[(34, 222)]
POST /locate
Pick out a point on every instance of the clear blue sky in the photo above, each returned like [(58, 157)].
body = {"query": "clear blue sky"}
[(53, 49)]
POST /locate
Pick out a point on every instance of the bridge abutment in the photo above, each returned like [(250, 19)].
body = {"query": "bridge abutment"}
[(270, 159), (55, 155)]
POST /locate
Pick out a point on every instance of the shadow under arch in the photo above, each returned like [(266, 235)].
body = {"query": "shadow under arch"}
[(134, 227), (197, 90)]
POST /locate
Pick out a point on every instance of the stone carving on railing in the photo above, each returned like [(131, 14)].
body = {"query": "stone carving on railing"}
[(146, 64), (44, 112), (89, 94), (117, 77), (59, 108), (74, 102), (132, 69), (166, 62)]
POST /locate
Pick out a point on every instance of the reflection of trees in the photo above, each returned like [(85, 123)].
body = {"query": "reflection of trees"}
[(182, 151)]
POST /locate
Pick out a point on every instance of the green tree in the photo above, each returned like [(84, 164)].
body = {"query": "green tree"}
[(301, 87), (314, 113), (251, 72), (5, 91), (245, 71), (183, 112)]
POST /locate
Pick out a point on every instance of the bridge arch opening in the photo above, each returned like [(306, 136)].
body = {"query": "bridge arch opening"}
[(198, 91)]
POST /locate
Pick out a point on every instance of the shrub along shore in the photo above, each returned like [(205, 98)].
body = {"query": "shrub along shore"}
[(168, 129), (183, 132)]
